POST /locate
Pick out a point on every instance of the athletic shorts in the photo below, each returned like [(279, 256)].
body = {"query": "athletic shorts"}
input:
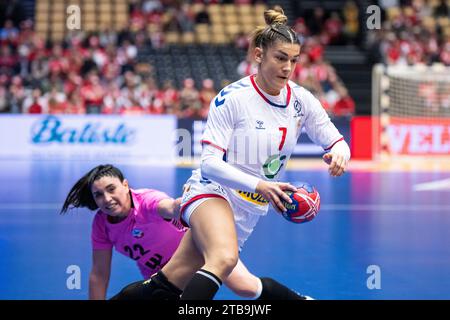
[(198, 190)]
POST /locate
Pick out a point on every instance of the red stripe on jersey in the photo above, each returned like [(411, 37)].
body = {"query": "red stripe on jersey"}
[(198, 197), (288, 98), (334, 143), (214, 145)]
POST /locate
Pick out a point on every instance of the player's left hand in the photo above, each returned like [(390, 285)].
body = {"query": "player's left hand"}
[(337, 158), (176, 208), (337, 163)]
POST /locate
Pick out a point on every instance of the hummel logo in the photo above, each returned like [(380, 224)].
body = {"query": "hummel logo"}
[(260, 124)]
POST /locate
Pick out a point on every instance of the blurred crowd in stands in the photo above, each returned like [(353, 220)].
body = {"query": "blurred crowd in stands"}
[(99, 73), (413, 31)]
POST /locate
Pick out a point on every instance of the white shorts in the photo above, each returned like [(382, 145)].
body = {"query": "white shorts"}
[(199, 190)]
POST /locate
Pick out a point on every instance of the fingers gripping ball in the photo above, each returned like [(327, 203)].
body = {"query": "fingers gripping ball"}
[(305, 204)]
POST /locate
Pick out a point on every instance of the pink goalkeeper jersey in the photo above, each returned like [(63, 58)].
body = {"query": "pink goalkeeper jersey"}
[(144, 235)]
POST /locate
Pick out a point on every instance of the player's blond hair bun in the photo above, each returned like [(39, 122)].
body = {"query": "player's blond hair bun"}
[(275, 16)]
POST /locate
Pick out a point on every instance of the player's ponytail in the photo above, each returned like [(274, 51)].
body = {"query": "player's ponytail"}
[(275, 30), (80, 196)]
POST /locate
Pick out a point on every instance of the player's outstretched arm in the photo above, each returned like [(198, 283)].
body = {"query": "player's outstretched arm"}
[(99, 275), (169, 208)]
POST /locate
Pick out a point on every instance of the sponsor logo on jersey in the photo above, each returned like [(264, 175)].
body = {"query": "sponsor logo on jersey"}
[(219, 189), (273, 165), (137, 233), (253, 197), (260, 125), (298, 106)]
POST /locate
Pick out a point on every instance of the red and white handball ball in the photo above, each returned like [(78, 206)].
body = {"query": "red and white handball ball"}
[(305, 204)]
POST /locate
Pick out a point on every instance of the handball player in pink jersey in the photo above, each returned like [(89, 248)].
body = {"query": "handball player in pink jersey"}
[(143, 225)]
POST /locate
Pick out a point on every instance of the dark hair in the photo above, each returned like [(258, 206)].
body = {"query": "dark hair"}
[(276, 29), (81, 195)]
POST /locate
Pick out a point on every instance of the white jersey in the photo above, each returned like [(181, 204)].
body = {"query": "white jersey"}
[(258, 132)]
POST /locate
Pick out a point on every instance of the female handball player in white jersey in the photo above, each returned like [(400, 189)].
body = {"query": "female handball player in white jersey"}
[(252, 127)]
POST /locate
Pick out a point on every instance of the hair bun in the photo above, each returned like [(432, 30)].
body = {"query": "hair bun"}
[(275, 16)]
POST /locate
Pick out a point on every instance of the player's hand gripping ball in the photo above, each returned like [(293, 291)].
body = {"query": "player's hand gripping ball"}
[(305, 204)]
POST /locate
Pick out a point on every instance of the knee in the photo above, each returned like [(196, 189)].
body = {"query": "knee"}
[(132, 291), (230, 262), (224, 261)]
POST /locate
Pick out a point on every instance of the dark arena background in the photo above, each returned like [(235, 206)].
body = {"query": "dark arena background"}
[(129, 82)]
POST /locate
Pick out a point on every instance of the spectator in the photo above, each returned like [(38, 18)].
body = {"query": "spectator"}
[(301, 29), (75, 103), (186, 18), (202, 16), (150, 6), (351, 21), (241, 41), (190, 104), (333, 29), (207, 94), (170, 98), (9, 33), (8, 61), (345, 105), (442, 9), (93, 93), (4, 95), (11, 10), (55, 101), (18, 94), (111, 100), (247, 67), (445, 52), (34, 103), (316, 21)]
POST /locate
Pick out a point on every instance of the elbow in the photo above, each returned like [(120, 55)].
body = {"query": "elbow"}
[(207, 168), (169, 208)]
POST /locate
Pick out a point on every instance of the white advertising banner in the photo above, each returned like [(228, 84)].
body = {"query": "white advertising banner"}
[(417, 136), (88, 137)]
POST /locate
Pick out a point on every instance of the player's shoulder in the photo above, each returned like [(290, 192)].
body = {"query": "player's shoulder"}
[(145, 194), (140, 191), (234, 91), (148, 195), (99, 218), (305, 97), (299, 91)]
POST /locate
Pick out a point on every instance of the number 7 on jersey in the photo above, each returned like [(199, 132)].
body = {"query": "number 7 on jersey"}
[(283, 137)]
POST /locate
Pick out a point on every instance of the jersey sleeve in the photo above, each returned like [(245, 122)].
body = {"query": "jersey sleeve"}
[(99, 237), (214, 168), (220, 123), (318, 124), (151, 199)]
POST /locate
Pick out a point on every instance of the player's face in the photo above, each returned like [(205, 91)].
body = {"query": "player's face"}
[(276, 65), (112, 196)]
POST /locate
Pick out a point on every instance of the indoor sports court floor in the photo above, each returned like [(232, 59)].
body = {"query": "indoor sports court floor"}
[(393, 219)]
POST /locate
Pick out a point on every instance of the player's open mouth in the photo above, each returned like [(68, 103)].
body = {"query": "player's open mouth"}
[(111, 207), (284, 78)]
